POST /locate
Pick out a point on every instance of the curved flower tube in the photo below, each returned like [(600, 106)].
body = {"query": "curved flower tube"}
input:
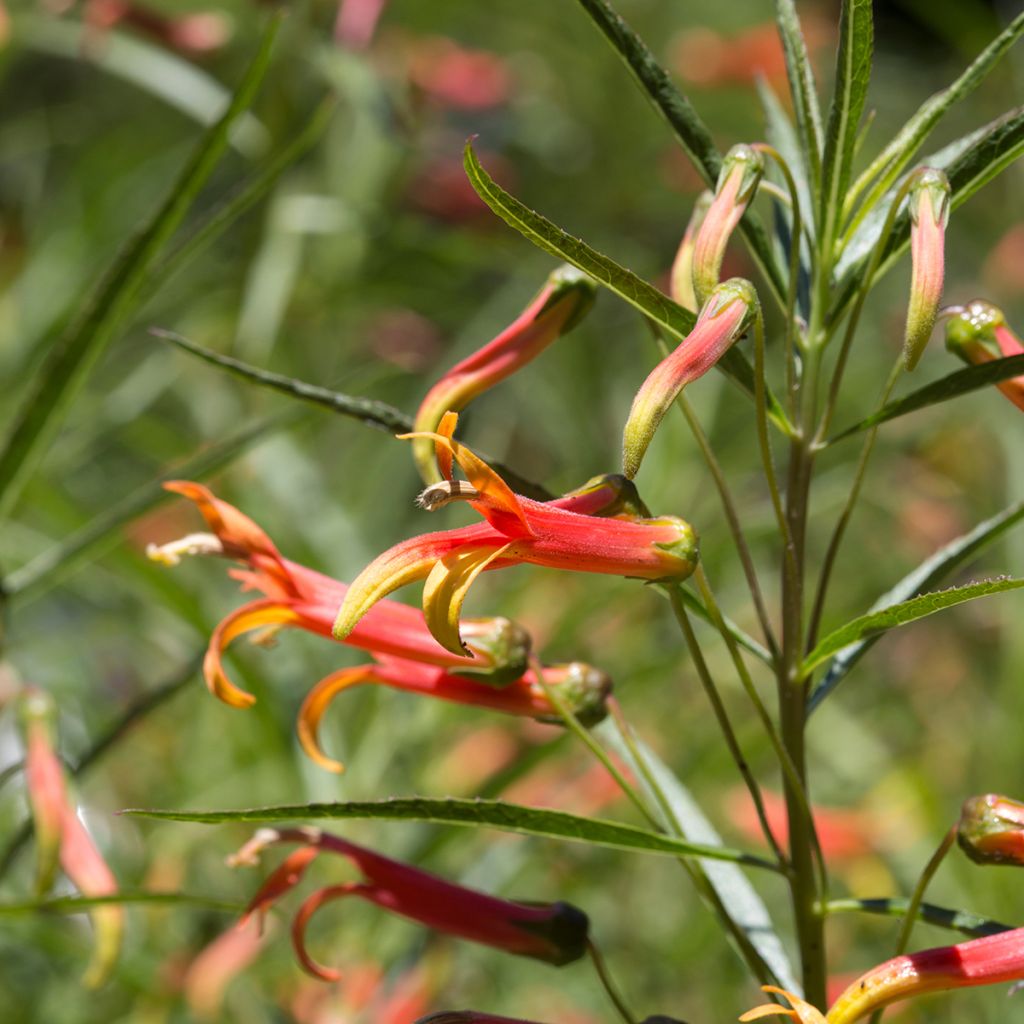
[(516, 530), (723, 319), (565, 299), (556, 933), (929, 213)]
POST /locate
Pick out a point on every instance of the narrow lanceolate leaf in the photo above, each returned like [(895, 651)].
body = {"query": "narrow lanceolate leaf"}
[(929, 573), (801, 86), (654, 304), (875, 623), (75, 352), (962, 382), (887, 166), (56, 563), (684, 121), (969, 163), (476, 813), (853, 71), (80, 904), (683, 816), (368, 411), (961, 921)]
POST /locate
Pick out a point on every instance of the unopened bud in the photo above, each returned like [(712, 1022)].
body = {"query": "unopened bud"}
[(681, 282), (610, 496), (501, 646), (978, 333), (929, 214), (991, 830), (722, 321), (742, 170), (584, 689)]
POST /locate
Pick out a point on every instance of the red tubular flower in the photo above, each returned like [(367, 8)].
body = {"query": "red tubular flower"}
[(517, 530), (987, 961), (742, 170), (929, 213), (583, 688), (61, 835), (563, 301), (991, 829), (978, 333), (724, 318), (553, 932)]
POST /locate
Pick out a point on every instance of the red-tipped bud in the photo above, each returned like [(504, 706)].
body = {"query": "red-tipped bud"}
[(991, 829), (681, 282), (929, 214), (563, 301), (724, 318), (978, 333), (741, 173)]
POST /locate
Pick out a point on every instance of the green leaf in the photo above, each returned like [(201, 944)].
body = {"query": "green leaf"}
[(682, 815), (645, 297), (75, 352), (56, 563), (80, 904), (929, 573), (962, 382), (853, 72), (369, 411), (684, 121), (962, 921), (901, 149), (875, 623), (497, 814), (801, 87)]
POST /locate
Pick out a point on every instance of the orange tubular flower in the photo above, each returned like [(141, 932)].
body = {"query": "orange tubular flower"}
[(742, 170), (974, 331), (986, 961), (517, 530), (556, 933), (929, 214), (61, 835), (563, 301), (991, 829), (406, 656), (724, 318)]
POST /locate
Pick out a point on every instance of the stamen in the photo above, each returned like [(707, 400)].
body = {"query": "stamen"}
[(249, 855), (170, 554), (440, 494)]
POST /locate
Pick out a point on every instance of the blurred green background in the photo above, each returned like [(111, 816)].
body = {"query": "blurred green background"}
[(371, 268)]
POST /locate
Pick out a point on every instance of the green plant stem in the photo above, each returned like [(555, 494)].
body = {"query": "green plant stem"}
[(753, 959), (962, 921), (608, 984), (831, 552), (917, 898), (721, 715)]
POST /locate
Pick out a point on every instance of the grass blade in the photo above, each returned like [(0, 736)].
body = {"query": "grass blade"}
[(928, 574), (496, 814), (75, 352)]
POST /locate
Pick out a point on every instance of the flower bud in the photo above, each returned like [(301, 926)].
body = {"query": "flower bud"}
[(929, 214), (978, 333), (610, 495), (991, 829), (741, 173), (44, 777), (584, 689), (564, 300), (500, 645), (723, 319), (681, 281)]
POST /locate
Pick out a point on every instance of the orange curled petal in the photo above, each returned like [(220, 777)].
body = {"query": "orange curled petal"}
[(445, 591), (316, 703), (497, 502), (404, 563), (446, 428), (802, 1011), (254, 615), (301, 920), (282, 879), (768, 1010)]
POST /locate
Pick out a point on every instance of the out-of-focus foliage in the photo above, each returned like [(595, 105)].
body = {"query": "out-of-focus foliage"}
[(371, 266)]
